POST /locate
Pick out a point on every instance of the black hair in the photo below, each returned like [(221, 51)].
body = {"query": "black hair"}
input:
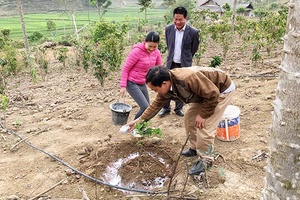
[(157, 75), (152, 37), (180, 10)]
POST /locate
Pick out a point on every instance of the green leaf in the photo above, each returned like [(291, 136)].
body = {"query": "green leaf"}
[(143, 129), (209, 149)]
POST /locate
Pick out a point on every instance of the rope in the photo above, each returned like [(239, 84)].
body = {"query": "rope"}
[(77, 171)]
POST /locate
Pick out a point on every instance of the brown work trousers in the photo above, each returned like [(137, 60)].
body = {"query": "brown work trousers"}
[(200, 139)]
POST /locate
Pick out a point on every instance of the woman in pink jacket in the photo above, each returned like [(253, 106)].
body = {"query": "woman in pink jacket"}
[(142, 57)]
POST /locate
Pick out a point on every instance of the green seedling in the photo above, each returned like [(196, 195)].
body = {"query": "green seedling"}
[(144, 130), (17, 123), (209, 152), (3, 102)]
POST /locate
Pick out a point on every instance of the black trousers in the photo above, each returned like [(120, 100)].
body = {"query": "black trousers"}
[(178, 103)]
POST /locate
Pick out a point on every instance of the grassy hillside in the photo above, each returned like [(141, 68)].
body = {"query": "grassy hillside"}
[(9, 7), (129, 12), (38, 12)]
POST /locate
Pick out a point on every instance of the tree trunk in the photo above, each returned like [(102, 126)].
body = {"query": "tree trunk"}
[(26, 44), (233, 15), (282, 180)]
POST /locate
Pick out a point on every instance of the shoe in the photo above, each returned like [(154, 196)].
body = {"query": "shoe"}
[(189, 153), (197, 168), (179, 113), (163, 112)]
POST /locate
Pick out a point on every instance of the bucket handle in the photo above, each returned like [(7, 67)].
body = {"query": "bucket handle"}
[(124, 110), (226, 129)]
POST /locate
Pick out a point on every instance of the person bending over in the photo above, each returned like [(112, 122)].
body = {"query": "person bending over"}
[(207, 91)]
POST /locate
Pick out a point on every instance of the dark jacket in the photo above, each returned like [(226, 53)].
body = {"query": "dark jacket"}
[(190, 44), (201, 85)]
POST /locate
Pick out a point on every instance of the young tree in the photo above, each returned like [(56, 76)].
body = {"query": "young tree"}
[(233, 15), (67, 9), (226, 7), (145, 4), (101, 6), (282, 180), (26, 43), (51, 27), (241, 10), (63, 6), (169, 3)]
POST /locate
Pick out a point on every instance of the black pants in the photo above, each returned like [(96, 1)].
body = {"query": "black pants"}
[(178, 103)]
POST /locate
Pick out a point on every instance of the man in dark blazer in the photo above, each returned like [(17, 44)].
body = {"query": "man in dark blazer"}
[(182, 41)]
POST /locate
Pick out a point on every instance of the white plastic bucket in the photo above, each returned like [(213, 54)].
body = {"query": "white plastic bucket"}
[(229, 127)]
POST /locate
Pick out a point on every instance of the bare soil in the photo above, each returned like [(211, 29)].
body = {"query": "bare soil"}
[(70, 139)]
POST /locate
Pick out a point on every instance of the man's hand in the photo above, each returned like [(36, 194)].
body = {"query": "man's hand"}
[(132, 124), (199, 122)]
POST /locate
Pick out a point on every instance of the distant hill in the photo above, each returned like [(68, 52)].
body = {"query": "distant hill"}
[(9, 7)]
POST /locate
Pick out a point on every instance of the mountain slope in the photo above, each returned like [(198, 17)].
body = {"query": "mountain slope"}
[(8, 7)]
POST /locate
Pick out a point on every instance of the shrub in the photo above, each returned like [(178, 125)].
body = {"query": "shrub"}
[(35, 36), (216, 61)]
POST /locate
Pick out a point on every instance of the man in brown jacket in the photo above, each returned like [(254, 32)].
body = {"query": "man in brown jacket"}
[(207, 91)]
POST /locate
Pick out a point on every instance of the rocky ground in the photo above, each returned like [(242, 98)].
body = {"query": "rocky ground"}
[(72, 150)]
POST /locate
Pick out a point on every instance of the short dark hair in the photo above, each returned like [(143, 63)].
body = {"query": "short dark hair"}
[(157, 75), (152, 36), (180, 10)]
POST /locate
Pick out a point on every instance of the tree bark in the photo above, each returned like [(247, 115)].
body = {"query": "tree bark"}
[(26, 44), (282, 180), (233, 15)]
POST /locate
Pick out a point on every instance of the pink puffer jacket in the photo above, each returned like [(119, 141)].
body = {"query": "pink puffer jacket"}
[(137, 64)]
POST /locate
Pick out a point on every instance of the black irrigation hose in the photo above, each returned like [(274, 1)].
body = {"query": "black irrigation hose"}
[(79, 172), (254, 75)]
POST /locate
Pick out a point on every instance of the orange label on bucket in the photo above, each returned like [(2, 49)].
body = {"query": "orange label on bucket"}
[(233, 133), (229, 127)]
